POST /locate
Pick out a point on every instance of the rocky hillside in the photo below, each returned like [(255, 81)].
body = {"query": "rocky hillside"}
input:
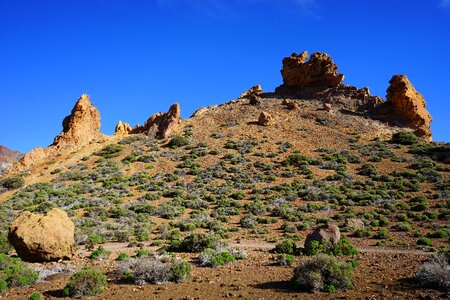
[(264, 168), (7, 158)]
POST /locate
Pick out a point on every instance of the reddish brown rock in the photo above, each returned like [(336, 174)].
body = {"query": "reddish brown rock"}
[(265, 119), (408, 106), (319, 71), (161, 125), (328, 233), (81, 126), (253, 91), (122, 128), (40, 238), (327, 106)]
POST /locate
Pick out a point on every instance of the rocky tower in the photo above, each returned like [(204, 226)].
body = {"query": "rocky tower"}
[(81, 126), (408, 105)]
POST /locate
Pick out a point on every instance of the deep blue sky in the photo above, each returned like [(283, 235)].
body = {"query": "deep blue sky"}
[(137, 57)]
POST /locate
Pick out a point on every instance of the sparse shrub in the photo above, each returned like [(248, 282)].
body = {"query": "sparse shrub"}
[(435, 273), (155, 270), (323, 273), (404, 138), (100, 253), (11, 183), (35, 296), (178, 141), (214, 258), (196, 242), (424, 242), (109, 151), (439, 234), (343, 247), (87, 282), (122, 256), (14, 273), (285, 247), (284, 259)]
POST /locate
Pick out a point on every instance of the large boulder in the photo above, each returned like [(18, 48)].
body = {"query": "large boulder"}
[(161, 125), (328, 233), (318, 72), (81, 126), (41, 238), (407, 106)]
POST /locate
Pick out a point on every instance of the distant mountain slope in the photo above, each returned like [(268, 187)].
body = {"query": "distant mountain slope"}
[(7, 158)]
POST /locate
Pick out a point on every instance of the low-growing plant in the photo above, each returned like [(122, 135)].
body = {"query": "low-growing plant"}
[(323, 273), (404, 138), (87, 282), (285, 247), (13, 273), (178, 141), (343, 247), (435, 273), (284, 260), (100, 253)]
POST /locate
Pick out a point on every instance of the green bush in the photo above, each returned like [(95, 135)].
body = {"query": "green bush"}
[(404, 138), (343, 247), (196, 242), (285, 247), (424, 242), (100, 253), (178, 141), (35, 296), (14, 273), (323, 273), (109, 151), (84, 283), (122, 256), (213, 258)]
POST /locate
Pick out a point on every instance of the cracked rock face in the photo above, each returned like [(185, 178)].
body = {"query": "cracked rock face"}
[(81, 126), (319, 71), (407, 106)]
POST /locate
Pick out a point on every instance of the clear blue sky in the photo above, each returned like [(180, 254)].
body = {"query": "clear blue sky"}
[(137, 57)]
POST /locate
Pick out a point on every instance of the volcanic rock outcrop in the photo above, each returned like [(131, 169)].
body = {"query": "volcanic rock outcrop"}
[(405, 106), (265, 119), (122, 128), (291, 105), (81, 126), (161, 125), (319, 72), (41, 238)]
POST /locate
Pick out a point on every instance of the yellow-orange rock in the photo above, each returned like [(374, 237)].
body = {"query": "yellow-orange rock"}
[(255, 90), (81, 126), (408, 106), (161, 125), (122, 128), (291, 105), (40, 238), (319, 71)]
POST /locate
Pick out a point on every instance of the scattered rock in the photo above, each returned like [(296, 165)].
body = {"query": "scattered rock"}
[(253, 91), (265, 119), (41, 238), (327, 106), (291, 105), (354, 223), (319, 71), (81, 126), (122, 128), (7, 158), (407, 106), (161, 125), (329, 233)]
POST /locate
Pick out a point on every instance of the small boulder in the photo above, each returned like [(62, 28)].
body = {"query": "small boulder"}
[(42, 238), (161, 125), (265, 119), (199, 112), (327, 106), (291, 105), (328, 233)]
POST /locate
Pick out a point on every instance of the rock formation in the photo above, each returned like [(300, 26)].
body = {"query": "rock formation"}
[(81, 126), (199, 112), (161, 125), (265, 119), (327, 106), (253, 91), (41, 238), (122, 128), (328, 233), (406, 107), (319, 72)]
